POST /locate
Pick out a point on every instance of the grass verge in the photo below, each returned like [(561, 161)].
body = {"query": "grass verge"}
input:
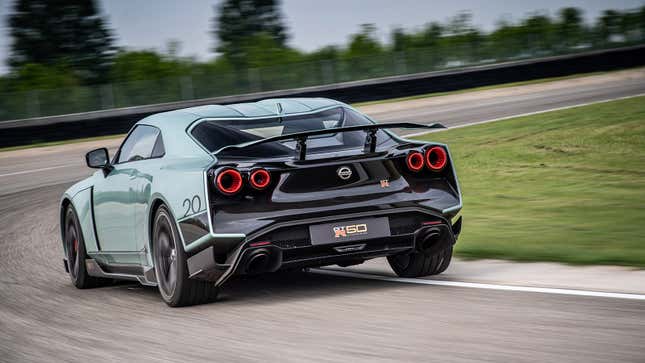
[(565, 186)]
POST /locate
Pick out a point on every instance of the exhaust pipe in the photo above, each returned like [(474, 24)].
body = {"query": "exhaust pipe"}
[(433, 239), (257, 262), (260, 260)]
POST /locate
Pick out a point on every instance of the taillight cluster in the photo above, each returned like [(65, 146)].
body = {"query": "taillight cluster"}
[(229, 181), (434, 158)]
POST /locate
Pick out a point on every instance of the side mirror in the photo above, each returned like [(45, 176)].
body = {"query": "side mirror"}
[(98, 158)]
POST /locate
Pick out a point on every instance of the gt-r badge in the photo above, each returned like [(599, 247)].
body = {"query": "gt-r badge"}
[(343, 231), (344, 172), (385, 183)]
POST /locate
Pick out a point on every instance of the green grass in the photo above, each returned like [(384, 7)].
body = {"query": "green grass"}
[(565, 186)]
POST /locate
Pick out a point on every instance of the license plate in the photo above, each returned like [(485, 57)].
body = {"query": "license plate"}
[(347, 231)]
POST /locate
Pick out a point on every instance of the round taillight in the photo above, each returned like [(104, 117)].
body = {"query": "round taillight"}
[(436, 158), (414, 161), (228, 181), (260, 179)]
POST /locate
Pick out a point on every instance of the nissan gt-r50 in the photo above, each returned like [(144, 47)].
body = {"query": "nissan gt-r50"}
[(195, 196)]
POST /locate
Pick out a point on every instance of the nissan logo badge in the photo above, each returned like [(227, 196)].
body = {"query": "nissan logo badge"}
[(344, 172)]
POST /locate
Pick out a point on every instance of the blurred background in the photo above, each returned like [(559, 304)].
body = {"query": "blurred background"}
[(62, 57)]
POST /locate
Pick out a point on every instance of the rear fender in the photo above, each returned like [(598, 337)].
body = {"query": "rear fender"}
[(180, 185)]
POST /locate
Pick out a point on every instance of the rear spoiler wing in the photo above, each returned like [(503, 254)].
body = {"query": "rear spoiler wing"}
[(301, 137)]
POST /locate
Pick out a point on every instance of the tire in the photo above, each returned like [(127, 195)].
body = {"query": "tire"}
[(171, 268), (76, 254), (417, 264)]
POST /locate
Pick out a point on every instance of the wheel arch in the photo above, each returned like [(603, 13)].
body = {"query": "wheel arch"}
[(80, 205), (157, 201), (154, 206), (65, 202)]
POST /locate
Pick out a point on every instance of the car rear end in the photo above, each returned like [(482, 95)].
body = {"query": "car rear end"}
[(338, 206)]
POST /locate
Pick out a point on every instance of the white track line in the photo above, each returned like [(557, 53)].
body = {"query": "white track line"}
[(474, 285), (525, 114), (37, 170)]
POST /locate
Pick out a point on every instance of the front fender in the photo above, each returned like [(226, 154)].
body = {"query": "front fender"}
[(79, 196)]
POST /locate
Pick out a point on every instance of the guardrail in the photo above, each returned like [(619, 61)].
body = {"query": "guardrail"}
[(119, 120), (208, 81)]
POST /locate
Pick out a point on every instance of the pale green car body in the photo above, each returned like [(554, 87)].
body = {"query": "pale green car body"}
[(115, 210)]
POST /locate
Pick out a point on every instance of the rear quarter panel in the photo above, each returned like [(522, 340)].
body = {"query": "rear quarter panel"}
[(177, 182)]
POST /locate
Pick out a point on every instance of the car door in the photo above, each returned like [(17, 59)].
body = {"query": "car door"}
[(115, 195), (144, 176)]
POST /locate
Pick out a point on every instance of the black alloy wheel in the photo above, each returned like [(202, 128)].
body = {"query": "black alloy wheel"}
[(76, 254), (165, 254), (170, 259)]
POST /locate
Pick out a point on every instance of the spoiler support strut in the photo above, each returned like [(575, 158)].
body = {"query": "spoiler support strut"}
[(301, 147), (370, 141)]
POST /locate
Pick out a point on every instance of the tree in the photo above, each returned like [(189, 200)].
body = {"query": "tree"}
[(362, 56), (461, 23), (641, 22), (505, 41), (609, 24), (34, 76), (364, 43), (146, 64), (327, 53), (538, 33), (239, 22), (570, 28), (426, 38), (61, 32), (463, 39), (631, 24), (263, 50)]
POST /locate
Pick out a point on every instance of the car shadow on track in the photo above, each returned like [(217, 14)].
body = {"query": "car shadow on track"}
[(277, 288)]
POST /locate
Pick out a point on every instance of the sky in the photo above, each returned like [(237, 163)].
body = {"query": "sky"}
[(148, 24)]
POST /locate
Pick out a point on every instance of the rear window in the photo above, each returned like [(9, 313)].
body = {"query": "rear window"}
[(216, 134)]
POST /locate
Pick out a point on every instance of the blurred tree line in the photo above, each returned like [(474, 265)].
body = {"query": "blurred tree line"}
[(67, 45)]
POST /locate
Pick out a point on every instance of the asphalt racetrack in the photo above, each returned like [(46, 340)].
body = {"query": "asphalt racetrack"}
[(365, 315)]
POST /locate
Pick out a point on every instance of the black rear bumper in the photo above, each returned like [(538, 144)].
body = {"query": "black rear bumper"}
[(288, 247)]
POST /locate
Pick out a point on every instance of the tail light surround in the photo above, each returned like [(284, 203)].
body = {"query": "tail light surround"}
[(436, 158), (414, 161), (229, 181), (259, 179)]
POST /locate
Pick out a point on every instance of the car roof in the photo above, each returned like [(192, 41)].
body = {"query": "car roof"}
[(182, 118), (174, 124)]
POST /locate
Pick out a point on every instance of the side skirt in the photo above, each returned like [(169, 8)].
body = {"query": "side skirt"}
[(144, 275)]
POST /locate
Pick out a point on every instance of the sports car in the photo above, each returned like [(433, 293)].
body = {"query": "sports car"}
[(195, 196)]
